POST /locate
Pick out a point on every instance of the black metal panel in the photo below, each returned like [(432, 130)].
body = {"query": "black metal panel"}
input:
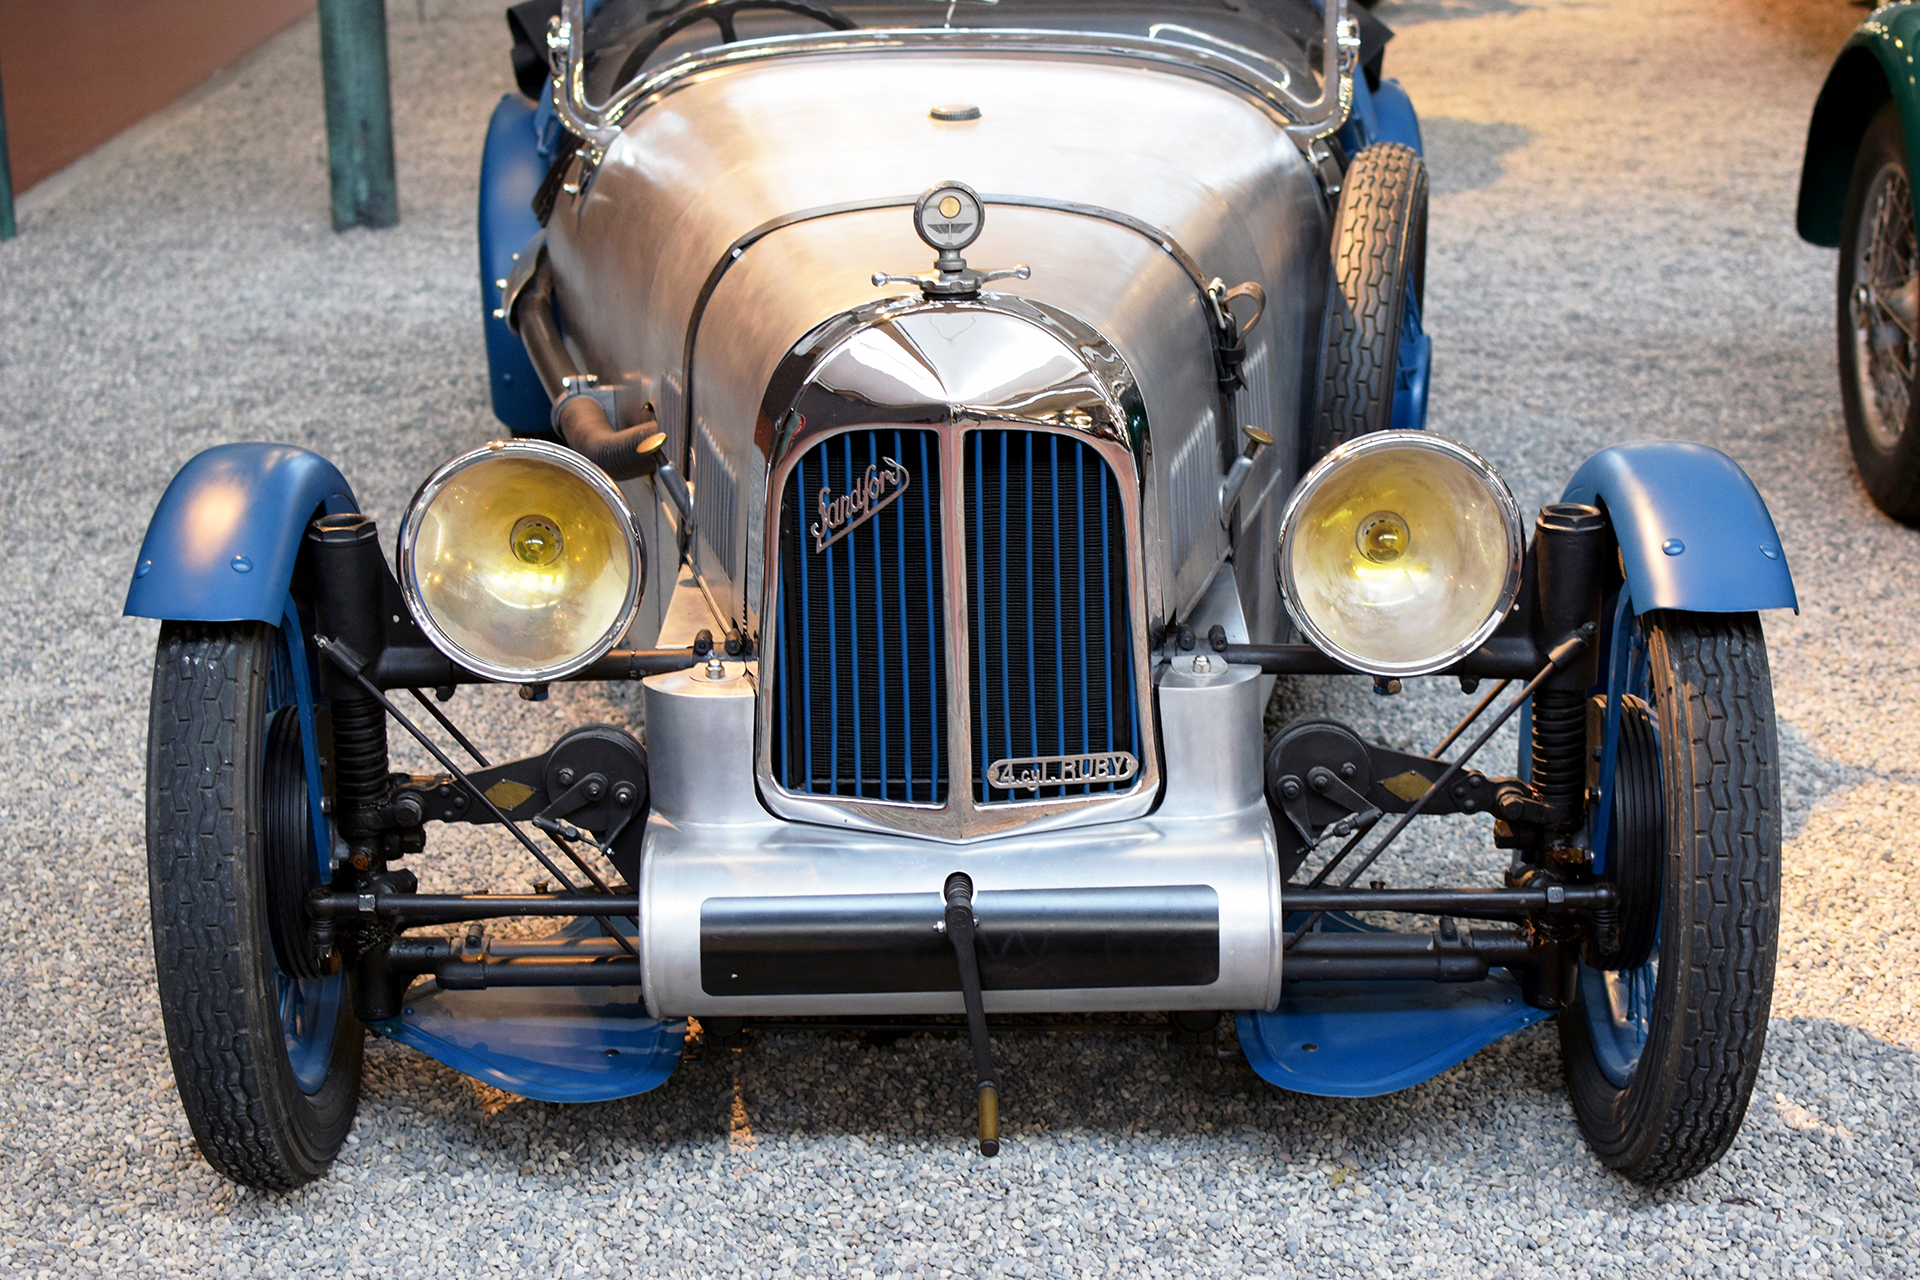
[(860, 692), (1029, 940), (1050, 649)]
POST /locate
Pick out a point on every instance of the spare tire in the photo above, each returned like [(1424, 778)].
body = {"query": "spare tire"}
[(1379, 272)]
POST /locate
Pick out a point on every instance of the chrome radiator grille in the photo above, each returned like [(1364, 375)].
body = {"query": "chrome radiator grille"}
[(860, 689), (869, 608), (1051, 653)]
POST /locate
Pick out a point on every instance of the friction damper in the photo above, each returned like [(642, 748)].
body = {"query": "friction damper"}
[(1636, 844)]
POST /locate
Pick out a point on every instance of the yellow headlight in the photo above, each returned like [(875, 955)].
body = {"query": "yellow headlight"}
[(520, 561), (1400, 552)]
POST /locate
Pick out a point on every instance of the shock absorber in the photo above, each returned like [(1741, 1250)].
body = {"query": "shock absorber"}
[(348, 577), (1569, 538)]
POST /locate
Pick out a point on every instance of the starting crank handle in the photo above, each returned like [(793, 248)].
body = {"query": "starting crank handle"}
[(959, 922)]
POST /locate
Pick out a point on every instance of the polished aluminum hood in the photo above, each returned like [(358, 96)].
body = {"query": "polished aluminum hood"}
[(756, 201)]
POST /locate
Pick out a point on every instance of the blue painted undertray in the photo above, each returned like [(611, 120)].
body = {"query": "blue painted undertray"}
[(1363, 1039), (553, 1044)]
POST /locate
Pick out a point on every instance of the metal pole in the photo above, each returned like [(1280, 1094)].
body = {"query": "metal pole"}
[(353, 64), (7, 228)]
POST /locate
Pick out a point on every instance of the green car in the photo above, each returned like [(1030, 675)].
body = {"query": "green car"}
[(1856, 193)]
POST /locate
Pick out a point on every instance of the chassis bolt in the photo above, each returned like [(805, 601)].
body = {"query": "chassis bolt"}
[(565, 777)]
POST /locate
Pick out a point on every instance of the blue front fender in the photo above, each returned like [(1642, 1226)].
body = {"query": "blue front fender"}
[(221, 544), (1694, 533)]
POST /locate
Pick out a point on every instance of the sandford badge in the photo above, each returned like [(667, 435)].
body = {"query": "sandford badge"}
[(872, 493)]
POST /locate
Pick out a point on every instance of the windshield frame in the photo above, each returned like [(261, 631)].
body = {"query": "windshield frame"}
[(1168, 46)]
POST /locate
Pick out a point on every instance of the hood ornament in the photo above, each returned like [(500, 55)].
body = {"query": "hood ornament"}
[(948, 217)]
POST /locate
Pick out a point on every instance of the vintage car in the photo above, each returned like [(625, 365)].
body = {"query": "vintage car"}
[(957, 417), (1856, 193)]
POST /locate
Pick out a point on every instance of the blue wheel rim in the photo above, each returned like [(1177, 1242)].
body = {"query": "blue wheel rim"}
[(309, 1007), (1619, 1009), (309, 1013)]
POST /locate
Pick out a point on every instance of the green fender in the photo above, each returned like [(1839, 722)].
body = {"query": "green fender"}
[(1881, 60)]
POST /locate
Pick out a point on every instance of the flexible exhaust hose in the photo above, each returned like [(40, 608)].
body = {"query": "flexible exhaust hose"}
[(580, 418), (532, 319)]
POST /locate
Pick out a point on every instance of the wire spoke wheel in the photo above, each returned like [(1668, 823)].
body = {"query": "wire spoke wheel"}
[(1883, 307), (1661, 1052), (1878, 319), (266, 1051)]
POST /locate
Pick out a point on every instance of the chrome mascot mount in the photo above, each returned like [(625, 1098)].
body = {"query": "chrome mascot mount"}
[(949, 217)]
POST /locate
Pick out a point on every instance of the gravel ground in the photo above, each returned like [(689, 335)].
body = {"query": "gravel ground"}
[(1613, 257)]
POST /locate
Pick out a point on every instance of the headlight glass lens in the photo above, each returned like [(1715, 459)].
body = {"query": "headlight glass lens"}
[(520, 562), (1400, 552)]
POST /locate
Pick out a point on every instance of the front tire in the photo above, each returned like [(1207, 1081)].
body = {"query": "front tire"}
[(267, 1064), (1661, 1059), (1878, 320)]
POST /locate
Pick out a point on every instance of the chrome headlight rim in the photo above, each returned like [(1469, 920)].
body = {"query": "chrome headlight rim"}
[(574, 463), (1378, 442)]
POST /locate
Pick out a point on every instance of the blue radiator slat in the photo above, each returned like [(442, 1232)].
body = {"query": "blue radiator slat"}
[(853, 623), (1080, 577), (1106, 618), (936, 710), (1059, 638), (1001, 632), (906, 690), (1033, 678)]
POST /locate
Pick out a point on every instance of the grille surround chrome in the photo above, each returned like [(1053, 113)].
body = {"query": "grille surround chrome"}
[(1059, 377)]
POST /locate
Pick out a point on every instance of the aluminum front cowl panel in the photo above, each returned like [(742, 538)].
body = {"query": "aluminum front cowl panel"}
[(693, 872), (1206, 860)]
